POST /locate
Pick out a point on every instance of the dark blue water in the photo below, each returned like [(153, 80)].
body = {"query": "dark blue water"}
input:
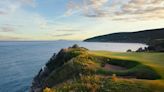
[(21, 61)]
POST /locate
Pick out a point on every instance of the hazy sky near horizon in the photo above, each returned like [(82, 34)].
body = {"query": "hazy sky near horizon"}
[(76, 19)]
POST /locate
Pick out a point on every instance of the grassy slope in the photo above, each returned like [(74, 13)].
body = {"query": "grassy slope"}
[(85, 64), (154, 60)]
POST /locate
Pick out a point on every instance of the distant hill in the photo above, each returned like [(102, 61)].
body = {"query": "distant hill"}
[(153, 37)]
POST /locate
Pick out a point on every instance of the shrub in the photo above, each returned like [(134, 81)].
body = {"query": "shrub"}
[(129, 50), (103, 63), (114, 78), (47, 90), (75, 46)]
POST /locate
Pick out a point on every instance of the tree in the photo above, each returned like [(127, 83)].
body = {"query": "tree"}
[(129, 50), (140, 50), (75, 46)]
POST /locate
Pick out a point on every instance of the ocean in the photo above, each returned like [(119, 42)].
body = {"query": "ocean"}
[(20, 61)]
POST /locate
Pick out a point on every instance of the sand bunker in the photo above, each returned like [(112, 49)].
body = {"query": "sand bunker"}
[(114, 67)]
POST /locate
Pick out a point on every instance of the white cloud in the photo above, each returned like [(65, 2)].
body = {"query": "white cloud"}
[(87, 7), (7, 29), (120, 9), (142, 6), (22, 24), (10, 6)]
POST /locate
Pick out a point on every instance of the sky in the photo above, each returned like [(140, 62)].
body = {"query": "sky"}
[(76, 19)]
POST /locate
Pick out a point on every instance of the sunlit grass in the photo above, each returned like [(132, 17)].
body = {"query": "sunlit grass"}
[(154, 60), (101, 84)]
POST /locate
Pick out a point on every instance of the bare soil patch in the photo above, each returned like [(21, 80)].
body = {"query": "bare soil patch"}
[(114, 67)]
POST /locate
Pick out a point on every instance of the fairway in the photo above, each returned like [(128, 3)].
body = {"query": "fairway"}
[(154, 60)]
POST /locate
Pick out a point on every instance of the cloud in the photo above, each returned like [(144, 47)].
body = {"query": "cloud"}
[(120, 9), (67, 30), (2, 13), (10, 6), (142, 6), (12, 25), (7, 29), (142, 9), (5, 37), (88, 7), (22, 24), (61, 35)]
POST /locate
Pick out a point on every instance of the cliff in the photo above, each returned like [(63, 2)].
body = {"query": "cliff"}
[(76, 69)]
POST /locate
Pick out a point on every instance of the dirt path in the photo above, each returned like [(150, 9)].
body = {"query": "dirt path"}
[(114, 67)]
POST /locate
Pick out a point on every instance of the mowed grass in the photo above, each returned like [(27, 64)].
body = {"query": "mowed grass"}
[(154, 60)]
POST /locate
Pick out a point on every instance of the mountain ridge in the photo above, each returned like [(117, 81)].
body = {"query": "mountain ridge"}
[(151, 37), (112, 37)]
